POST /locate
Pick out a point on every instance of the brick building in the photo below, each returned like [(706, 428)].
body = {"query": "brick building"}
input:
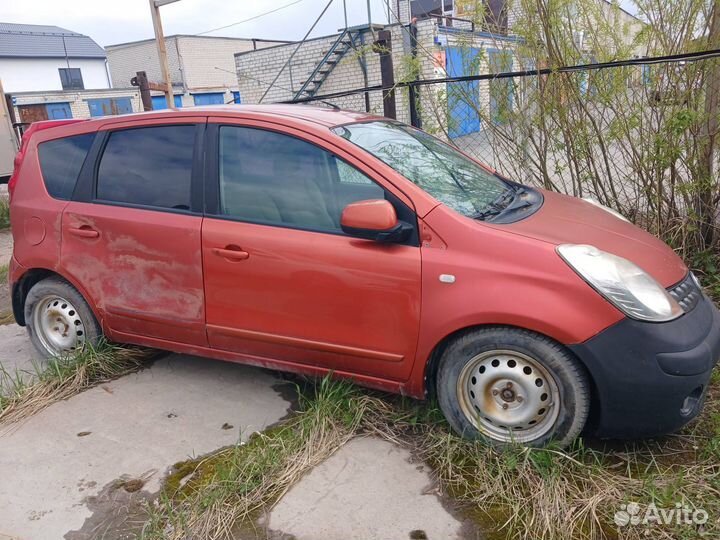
[(202, 68), (448, 44)]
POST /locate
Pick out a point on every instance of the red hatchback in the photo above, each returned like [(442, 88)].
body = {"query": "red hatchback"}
[(314, 240)]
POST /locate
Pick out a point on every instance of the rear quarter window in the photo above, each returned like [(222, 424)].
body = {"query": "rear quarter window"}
[(61, 161), (148, 166)]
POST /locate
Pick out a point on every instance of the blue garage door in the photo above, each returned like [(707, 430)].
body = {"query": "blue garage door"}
[(213, 98), (159, 102), (463, 97), (110, 106), (58, 111)]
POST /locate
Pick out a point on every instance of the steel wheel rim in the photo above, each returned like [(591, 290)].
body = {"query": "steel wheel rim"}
[(508, 396), (58, 325)]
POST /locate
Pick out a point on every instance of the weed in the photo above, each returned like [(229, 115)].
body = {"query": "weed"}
[(514, 493), (208, 497), (4, 214), (23, 394)]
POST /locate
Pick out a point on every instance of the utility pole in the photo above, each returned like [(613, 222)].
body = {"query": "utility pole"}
[(370, 26), (162, 51), (141, 81)]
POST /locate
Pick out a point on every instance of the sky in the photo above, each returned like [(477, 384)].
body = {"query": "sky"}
[(118, 21)]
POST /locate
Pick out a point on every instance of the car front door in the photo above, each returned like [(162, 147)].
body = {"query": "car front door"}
[(282, 281), (131, 234)]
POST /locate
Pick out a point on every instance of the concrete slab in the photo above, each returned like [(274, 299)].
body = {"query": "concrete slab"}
[(17, 353), (368, 489), (137, 426)]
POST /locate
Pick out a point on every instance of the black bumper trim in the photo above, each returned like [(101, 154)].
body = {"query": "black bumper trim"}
[(643, 372)]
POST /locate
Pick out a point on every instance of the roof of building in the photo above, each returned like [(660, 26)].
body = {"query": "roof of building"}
[(175, 36), (41, 41)]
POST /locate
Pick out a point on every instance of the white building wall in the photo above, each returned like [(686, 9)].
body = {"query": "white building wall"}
[(38, 74), (126, 60), (197, 63)]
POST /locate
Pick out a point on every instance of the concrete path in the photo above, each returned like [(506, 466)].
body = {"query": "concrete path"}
[(368, 489), (17, 355), (53, 466)]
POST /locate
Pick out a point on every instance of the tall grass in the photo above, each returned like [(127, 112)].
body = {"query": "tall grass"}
[(208, 498), (4, 213), (517, 493), (23, 394)]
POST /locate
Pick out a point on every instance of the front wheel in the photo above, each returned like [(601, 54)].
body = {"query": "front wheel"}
[(508, 385), (58, 319)]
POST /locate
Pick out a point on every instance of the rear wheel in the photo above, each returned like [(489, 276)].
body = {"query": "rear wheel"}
[(507, 385), (58, 318)]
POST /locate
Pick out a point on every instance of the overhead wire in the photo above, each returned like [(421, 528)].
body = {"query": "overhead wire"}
[(254, 17)]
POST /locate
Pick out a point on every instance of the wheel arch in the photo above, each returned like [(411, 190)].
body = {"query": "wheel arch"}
[(432, 364), (32, 276)]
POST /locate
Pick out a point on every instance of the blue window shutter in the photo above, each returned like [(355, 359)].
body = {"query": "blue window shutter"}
[(123, 105), (58, 111), (99, 107), (212, 98), (236, 97), (109, 106), (159, 103)]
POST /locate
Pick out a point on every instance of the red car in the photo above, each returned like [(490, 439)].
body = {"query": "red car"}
[(314, 240)]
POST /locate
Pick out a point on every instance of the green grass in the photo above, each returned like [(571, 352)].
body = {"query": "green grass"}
[(516, 493), (211, 496), (4, 214), (23, 394)]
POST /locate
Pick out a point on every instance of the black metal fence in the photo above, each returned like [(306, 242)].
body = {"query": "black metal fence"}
[(638, 135)]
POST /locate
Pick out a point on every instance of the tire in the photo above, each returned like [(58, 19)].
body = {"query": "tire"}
[(59, 320), (506, 385)]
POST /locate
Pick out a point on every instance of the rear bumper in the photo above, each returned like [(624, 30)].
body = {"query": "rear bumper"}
[(651, 378)]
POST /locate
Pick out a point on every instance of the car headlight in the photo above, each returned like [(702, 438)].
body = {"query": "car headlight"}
[(624, 284), (606, 208)]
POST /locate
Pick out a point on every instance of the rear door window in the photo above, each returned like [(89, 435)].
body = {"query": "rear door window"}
[(149, 166), (61, 161)]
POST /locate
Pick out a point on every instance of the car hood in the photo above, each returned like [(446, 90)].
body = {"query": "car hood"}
[(569, 220)]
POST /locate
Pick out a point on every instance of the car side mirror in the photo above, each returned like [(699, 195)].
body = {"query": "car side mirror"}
[(374, 219)]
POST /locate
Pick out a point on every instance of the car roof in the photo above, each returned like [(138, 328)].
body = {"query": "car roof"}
[(311, 114)]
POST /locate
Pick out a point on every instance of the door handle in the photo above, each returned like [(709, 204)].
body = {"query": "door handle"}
[(232, 253), (83, 232)]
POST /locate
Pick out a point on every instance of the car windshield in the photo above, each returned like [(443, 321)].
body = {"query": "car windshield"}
[(436, 167)]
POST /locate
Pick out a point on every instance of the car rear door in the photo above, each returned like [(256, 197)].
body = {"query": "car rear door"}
[(131, 234), (282, 281)]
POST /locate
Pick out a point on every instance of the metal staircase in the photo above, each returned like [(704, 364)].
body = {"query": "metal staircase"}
[(347, 40)]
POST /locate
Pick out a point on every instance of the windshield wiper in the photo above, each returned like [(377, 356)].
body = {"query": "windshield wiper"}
[(500, 204)]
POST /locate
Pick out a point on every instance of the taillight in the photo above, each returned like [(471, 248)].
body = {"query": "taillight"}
[(16, 165), (34, 127)]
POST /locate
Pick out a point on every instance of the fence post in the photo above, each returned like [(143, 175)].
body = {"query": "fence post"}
[(383, 47), (141, 81), (413, 91)]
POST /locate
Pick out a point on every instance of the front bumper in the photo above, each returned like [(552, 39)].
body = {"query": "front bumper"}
[(651, 378)]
